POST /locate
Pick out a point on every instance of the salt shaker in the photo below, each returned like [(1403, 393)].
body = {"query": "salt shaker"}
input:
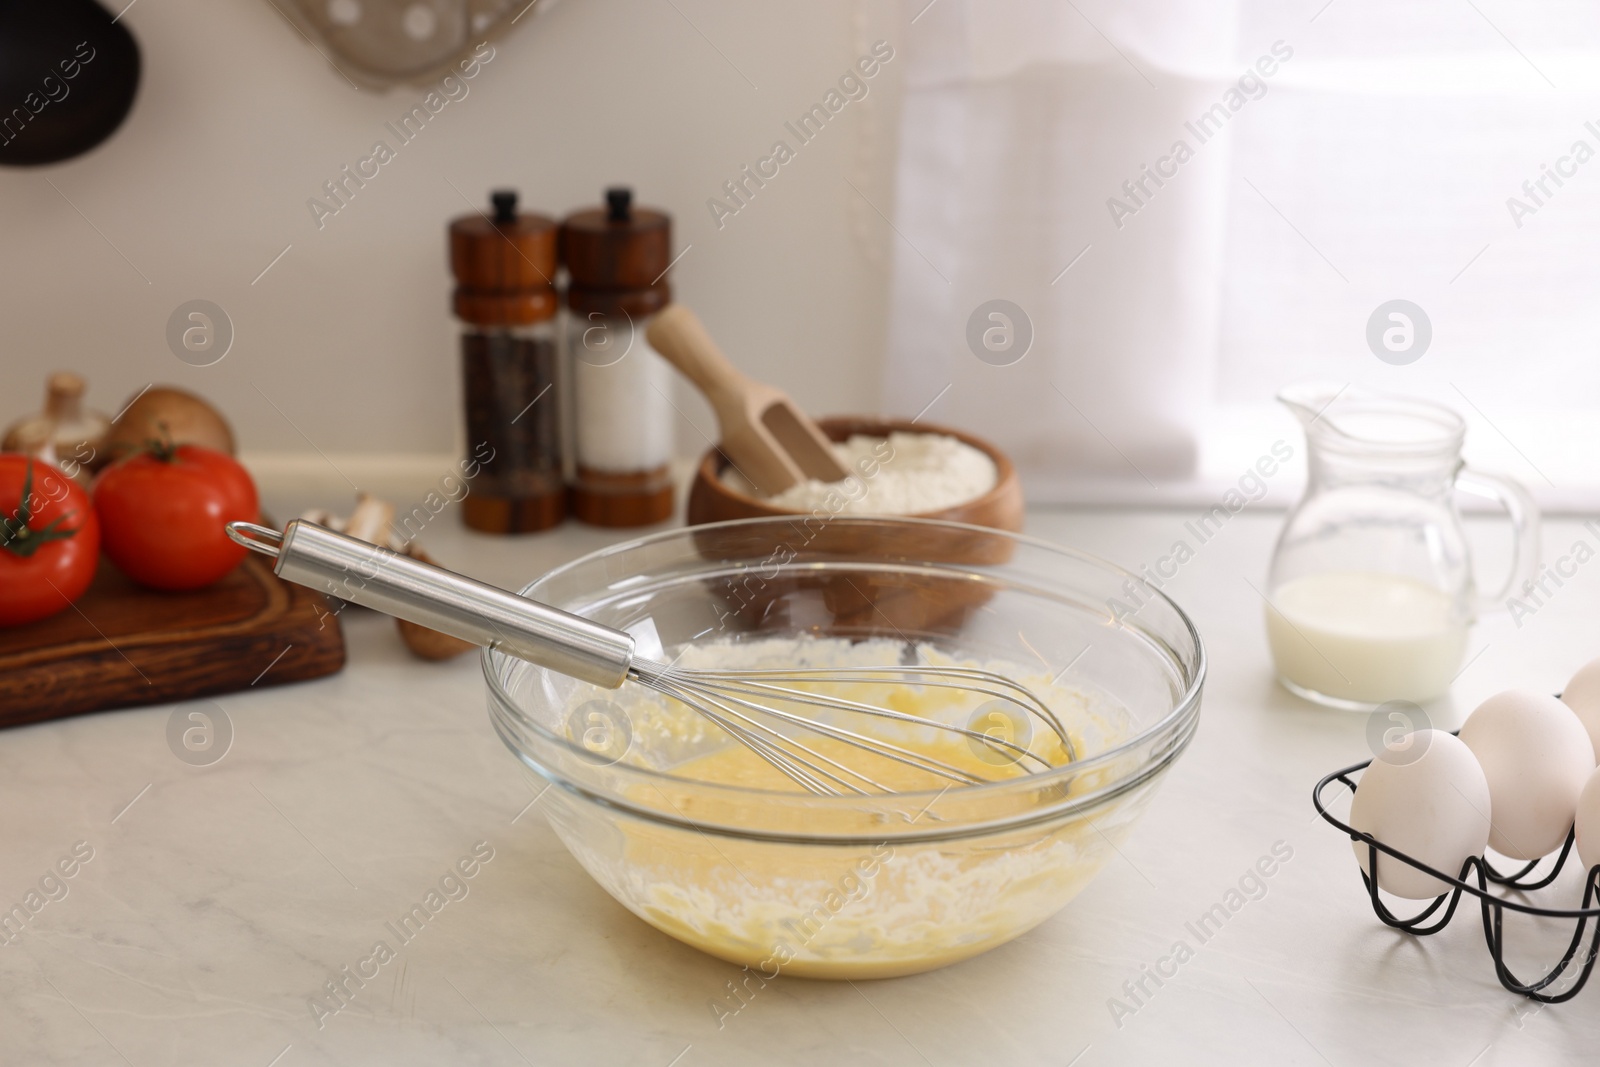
[(617, 259), (505, 265)]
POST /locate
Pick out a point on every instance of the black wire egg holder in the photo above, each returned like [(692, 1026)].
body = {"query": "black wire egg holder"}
[(1492, 907)]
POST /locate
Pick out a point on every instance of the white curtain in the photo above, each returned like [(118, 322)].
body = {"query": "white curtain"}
[(1021, 121), (1375, 163), (1396, 144)]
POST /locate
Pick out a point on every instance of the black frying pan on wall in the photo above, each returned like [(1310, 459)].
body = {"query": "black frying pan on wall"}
[(68, 74)]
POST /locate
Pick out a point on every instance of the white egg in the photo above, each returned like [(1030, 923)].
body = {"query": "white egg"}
[(1582, 695), (1537, 757), (1588, 824), (1434, 807)]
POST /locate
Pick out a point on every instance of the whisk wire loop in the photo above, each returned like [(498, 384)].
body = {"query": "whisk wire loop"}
[(770, 744), (967, 679), (878, 745), (738, 701)]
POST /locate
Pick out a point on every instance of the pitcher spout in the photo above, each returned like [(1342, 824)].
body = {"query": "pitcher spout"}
[(1346, 417), (1308, 400)]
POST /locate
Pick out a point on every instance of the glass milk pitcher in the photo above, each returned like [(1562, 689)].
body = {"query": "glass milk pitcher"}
[(1371, 590)]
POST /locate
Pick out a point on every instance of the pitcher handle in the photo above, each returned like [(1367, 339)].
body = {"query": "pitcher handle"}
[(1524, 515)]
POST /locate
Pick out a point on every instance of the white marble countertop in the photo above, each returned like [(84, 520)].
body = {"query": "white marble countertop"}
[(218, 899)]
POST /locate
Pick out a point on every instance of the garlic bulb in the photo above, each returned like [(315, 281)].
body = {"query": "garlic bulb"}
[(75, 434)]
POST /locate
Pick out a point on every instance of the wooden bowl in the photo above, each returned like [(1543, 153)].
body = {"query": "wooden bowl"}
[(711, 500), (881, 605)]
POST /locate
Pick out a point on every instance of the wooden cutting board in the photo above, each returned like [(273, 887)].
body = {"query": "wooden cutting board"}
[(122, 645)]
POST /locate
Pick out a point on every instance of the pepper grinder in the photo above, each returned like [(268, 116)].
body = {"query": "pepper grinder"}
[(617, 259), (505, 296)]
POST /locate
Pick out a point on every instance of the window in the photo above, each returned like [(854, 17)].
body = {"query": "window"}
[(1446, 154)]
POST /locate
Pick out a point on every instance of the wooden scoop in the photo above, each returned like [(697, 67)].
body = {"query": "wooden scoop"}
[(765, 435)]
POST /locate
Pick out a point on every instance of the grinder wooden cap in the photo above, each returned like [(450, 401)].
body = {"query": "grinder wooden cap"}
[(617, 257), (505, 265)]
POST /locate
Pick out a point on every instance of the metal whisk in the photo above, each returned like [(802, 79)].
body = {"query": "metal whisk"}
[(757, 708)]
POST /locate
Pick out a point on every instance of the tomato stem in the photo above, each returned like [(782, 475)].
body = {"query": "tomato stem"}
[(17, 537), (162, 447)]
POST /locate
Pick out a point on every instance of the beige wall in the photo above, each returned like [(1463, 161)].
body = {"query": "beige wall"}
[(239, 122)]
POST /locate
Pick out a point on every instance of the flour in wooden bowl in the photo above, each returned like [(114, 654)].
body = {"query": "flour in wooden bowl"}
[(902, 474)]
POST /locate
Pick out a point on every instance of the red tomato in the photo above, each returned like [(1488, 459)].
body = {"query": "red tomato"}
[(162, 513), (49, 540)]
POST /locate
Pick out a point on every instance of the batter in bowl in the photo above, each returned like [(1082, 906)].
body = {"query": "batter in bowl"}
[(849, 911)]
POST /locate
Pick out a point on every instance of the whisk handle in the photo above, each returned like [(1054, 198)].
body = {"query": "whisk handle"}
[(384, 580)]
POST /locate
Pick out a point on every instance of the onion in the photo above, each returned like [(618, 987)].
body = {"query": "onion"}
[(165, 413)]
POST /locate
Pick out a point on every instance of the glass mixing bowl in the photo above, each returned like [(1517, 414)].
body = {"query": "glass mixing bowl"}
[(784, 881)]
